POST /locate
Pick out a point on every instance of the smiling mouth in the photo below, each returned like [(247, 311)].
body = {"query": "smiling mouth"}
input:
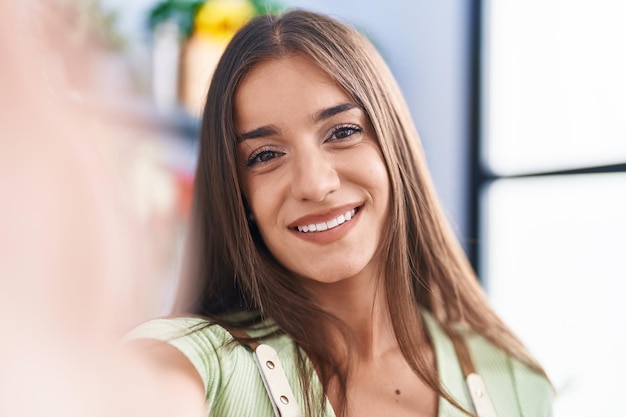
[(331, 224)]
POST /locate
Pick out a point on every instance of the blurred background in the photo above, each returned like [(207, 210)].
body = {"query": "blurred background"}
[(521, 107)]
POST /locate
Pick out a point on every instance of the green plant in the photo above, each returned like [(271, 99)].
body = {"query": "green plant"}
[(266, 6), (182, 12)]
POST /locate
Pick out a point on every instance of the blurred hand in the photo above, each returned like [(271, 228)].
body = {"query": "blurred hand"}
[(69, 274)]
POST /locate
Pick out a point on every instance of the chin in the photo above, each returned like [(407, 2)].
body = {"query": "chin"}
[(334, 275)]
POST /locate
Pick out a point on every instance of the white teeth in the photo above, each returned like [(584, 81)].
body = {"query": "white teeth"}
[(331, 224), (321, 227)]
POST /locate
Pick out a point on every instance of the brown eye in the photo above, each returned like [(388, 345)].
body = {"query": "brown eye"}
[(262, 156), (342, 132)]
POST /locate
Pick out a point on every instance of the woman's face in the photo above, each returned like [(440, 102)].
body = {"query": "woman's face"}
[(311, 170)]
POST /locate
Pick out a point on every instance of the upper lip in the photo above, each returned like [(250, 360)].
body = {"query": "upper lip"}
[(322, 216)]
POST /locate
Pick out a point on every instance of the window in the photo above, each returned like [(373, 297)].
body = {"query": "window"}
[(552, 189)]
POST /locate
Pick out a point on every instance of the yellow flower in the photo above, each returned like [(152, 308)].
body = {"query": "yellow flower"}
[(220, 19)]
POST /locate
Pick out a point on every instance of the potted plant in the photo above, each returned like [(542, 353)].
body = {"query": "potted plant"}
[(189, 38)]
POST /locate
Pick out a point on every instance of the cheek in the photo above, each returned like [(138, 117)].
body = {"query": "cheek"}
[(262, 203), (384, 189), (375, 173)]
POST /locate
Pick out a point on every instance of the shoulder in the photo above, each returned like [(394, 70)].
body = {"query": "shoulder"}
[(514, 388), (183, 341), (181, 332), (227, 370), (507, 378)]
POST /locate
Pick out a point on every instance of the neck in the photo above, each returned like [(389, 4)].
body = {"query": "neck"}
[(360, 304)]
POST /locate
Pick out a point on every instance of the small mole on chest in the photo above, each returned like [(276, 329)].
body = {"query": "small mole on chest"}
[(398, 392)]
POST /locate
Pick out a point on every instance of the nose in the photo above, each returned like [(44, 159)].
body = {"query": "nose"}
[(314, 176)]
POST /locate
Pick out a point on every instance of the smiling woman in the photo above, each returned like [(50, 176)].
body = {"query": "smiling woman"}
[(314, 160), (317, 233)]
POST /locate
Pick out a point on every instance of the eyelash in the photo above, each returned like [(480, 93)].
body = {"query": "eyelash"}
[(344, 128), (253, 159), (348, 130)]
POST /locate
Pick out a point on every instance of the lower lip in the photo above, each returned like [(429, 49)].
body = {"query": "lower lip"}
[(332, 235)]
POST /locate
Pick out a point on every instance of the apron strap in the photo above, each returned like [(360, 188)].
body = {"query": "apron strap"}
[(475, 384), (274, 379)]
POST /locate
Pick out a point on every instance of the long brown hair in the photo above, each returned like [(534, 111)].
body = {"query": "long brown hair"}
[(229, 268)]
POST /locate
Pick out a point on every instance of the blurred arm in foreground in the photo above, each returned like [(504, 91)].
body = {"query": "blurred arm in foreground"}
[(70, 276)]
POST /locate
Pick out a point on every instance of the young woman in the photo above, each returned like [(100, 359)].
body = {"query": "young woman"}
[(316, 232)]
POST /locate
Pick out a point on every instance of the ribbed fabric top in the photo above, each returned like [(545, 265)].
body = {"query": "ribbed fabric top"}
[(234, 387)]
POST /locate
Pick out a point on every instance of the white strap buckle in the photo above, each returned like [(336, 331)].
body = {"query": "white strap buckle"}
[(480, 397), (275, 381)]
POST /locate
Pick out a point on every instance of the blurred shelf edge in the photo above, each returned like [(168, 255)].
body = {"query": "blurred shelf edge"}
[(174, 128), (144, 113), (178, 132), (181, 122)]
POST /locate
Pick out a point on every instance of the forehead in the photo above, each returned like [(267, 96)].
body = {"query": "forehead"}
[(288, 69), (286, 85)]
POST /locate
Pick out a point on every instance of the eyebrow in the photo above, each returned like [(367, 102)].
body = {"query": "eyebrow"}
[(260, 132), (319, 116), (322, 115)]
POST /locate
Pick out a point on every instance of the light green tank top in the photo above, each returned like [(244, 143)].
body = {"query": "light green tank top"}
[(234, 387)]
